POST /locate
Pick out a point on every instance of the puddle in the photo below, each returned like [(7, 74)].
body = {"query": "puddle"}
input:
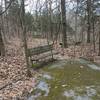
[(69, 93), (83, 61), (59, 65), (68, 81), (94, 67), (82, 98), (86, 93), (91, 92), (43, 86), (89, 64), (46, 76)]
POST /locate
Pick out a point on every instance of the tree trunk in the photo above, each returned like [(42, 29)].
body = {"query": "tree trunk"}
[(24, 37), (94, 46), (93, 25), (2, 47), (76, 25), (64, 35), (99, 39), (50, 20), (89, 20)]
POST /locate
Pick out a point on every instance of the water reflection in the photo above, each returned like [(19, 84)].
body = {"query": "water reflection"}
[(89, 64), (79, 93), (69, 93), (46, 76), (83, 61), (43, 86), (94, 67), (59, 65)]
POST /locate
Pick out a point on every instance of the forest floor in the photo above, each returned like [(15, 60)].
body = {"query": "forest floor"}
[(13, 81)]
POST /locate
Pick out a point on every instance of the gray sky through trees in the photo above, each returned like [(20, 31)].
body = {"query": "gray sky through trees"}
[(30, 5)]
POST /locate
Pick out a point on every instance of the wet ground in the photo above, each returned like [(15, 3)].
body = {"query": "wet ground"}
[(68, 80)]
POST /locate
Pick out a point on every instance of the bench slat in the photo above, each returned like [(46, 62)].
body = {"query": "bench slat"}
[(43, 56), (39, 50)]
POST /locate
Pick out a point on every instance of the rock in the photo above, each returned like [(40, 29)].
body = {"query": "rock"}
[(81, 66), (64, 85)]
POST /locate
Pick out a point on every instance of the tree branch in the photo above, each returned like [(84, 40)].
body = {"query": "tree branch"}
[(6, 8)]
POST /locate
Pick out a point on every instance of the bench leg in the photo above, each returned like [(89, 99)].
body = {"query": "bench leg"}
[(31, 63)]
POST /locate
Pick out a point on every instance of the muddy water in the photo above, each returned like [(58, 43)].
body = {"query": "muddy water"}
[(66, 80)]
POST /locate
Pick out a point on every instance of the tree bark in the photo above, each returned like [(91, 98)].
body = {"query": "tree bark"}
[(99, 39), (64, 35), (24, 37), (89, 20), (93, 26), (2, 47), (76, 15)]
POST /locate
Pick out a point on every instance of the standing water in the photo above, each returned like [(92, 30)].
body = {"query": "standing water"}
[(65, 80)]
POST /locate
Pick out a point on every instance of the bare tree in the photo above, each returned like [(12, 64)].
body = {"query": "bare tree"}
[(93, 25), (99, 38), (64, 35), (89, 20), (2, 47), (24, 37)]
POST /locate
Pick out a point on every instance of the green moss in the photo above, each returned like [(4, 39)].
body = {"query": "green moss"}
[(35, 65), (70, 77)]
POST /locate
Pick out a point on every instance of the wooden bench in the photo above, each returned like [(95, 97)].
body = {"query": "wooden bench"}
[(40, 53)]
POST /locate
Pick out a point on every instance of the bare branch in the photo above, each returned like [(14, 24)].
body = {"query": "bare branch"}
[(6, 8)]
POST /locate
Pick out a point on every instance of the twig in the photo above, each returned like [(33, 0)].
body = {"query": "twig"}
[(10, 83), (6, 8)]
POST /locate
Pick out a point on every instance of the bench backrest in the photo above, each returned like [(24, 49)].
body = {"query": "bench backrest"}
[(39, 50)]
